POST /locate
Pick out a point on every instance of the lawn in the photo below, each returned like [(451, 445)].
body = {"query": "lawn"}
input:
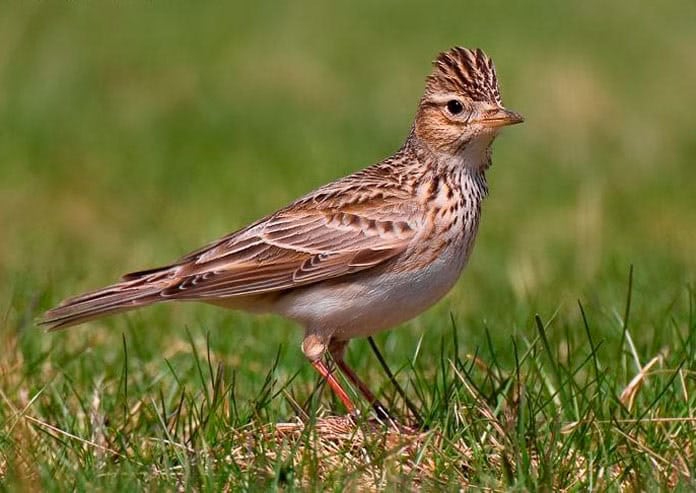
[(134, 132)]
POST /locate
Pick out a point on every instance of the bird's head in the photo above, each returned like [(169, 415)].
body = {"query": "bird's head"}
[(461, 110)]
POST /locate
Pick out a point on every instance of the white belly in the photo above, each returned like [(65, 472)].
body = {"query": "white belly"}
[(369, 302)]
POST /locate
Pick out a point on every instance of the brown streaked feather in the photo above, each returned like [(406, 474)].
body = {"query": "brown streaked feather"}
[(112, 299), (278, 277), (467, 72), (340, 229), (291, 248)]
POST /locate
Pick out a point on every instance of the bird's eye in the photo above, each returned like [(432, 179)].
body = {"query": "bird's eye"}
[(454, 107)]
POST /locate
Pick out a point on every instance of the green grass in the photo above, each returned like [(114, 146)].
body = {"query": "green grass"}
[(133, 132)]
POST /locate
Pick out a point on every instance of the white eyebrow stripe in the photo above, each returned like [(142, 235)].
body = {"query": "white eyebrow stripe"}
[(443, 98)]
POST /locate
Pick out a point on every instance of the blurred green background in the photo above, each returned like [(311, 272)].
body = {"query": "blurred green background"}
[(132, 132)]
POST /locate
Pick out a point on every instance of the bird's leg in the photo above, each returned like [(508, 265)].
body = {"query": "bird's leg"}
[(314, 350), (337, 350)]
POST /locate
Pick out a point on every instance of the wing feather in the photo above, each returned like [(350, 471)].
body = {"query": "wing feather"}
[(292, 248), (353, 224)]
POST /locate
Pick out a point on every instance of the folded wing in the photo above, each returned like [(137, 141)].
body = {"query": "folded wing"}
[(305, 243), (289, 249)]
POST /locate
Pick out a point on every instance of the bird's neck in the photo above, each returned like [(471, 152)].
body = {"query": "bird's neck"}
[(467, 167)]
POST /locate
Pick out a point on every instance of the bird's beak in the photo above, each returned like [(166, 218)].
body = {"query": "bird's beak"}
[(500, 117)]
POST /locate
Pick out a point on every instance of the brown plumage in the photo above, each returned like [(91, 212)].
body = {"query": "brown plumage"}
[(467, 72), (360, 254)]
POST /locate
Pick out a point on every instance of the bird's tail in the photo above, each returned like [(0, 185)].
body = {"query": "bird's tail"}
[(134, 291)]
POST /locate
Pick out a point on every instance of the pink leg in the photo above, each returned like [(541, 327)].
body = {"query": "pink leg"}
[(337, 349), (334, 384)]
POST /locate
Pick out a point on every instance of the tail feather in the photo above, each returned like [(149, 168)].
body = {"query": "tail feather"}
[(120, 297)]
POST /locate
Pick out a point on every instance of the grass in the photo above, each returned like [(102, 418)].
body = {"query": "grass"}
[(563, 359)]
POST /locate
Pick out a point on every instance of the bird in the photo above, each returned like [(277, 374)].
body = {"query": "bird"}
[(359, 255)]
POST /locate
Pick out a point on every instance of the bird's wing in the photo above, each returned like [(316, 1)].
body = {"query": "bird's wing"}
[(350, 225), (307, 242)]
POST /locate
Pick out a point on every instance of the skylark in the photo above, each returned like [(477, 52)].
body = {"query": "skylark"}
[(358, 255)]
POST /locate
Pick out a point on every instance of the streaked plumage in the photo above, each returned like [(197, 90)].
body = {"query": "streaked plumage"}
[(358, 255)]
